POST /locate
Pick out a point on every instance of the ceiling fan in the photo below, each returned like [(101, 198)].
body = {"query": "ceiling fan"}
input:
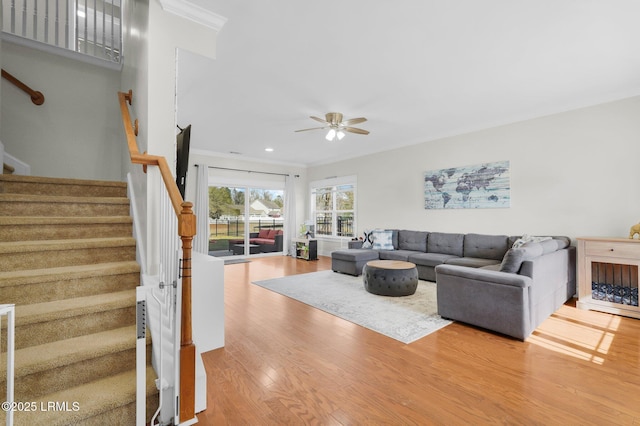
[(337, 127)]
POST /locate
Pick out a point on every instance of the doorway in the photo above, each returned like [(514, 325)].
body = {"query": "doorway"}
[(245, 220)]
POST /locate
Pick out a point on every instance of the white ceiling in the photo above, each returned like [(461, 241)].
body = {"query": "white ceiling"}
[(417, 69)]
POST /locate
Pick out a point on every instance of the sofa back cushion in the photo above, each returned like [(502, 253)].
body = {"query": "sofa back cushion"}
[(445, 243), (486, 246), (555, 244), (515, 256), (412, 240), (264, 233)]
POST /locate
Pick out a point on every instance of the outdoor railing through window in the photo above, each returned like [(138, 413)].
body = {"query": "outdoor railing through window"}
[(344, 225), (235, 227)]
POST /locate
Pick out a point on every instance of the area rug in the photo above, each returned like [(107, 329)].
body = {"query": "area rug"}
[(406, 318)]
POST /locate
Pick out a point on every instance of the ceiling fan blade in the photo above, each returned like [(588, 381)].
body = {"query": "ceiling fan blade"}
[(313, 128), (321, 120), (356, 130), (354, 121)]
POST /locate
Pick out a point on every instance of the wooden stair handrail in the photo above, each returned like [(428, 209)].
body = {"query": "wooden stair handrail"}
[(186, 231), (36, 97)]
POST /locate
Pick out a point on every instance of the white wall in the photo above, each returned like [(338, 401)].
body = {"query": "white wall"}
[(74, 134), (134, 78), (574, 173), (150, 71)]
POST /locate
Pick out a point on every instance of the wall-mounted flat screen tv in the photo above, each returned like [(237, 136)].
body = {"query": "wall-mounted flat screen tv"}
[(182, 158)]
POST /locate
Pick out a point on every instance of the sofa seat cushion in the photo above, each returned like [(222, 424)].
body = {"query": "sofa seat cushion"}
[(355, 255), (430, 259), (472, 262), (395, 254), (495, 267), (261, 241)]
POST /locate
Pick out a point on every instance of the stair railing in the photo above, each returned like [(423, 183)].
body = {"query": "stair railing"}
[(91, 28), (36, 97), (186, 230), (7, 405)]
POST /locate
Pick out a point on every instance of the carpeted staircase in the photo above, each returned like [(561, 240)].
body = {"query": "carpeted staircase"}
[(68, 263)]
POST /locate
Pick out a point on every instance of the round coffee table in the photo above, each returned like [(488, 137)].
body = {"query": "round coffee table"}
[(390, 277)]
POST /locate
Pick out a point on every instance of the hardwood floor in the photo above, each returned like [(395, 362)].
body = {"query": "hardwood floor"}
[(287, 363)]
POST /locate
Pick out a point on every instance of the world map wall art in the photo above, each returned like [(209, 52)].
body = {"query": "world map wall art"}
[(482, 186)]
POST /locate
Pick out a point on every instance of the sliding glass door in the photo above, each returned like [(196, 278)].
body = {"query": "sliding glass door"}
[(245, 220)]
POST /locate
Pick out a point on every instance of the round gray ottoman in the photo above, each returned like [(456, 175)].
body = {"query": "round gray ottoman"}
[(390, 278)]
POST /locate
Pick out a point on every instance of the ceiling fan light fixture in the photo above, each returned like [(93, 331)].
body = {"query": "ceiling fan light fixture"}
[(331, 135), (338, 128)]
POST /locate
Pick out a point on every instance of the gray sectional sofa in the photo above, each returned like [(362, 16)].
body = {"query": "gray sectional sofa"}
[(481, 279)]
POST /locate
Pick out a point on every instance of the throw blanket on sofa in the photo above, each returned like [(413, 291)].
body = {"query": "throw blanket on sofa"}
[(528, 239)]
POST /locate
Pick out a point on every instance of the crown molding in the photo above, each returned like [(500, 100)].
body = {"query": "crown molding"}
[(195, 13), (242, 157)]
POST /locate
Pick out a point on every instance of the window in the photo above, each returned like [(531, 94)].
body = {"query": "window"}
[(246, 216), (333, 206)]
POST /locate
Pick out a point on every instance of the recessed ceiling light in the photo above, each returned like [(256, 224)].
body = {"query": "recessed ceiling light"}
[(269, 149)]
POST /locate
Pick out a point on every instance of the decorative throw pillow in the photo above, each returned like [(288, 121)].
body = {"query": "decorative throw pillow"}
[(367, 241), (514, 257), (383, 240)]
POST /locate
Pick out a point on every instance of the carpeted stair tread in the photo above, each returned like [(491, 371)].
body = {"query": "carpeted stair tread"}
[(52, 205), (62, 220), (30, 276), (92, 399), (48, 185), (21, 255), (60, 245), (52, 199), (24, 228), (50, 311), (28, 286), (66, 352), (62, 181)]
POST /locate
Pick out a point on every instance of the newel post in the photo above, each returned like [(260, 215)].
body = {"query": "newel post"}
[(187, 230)]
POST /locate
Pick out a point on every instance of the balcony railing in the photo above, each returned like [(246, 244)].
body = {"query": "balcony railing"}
[(344, 225), (88, 27)]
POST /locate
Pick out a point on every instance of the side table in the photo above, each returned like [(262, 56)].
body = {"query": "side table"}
[(306, 248)]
